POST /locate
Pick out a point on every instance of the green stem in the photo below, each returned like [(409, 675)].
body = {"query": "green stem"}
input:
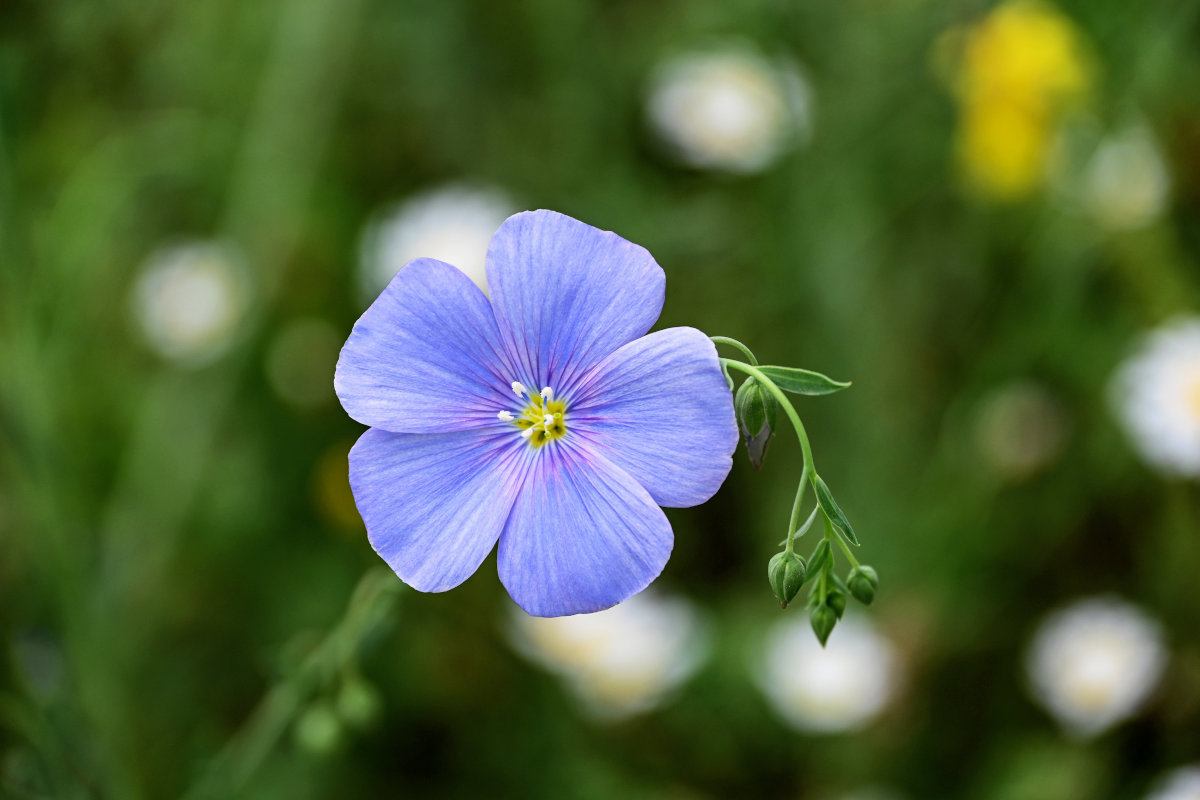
[(793, 417), (828, 566), (737, 344), (795, 518), (233, 768), (846, 549), (808, 470)]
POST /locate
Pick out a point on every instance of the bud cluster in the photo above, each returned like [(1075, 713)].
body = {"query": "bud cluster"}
[(757, 403)]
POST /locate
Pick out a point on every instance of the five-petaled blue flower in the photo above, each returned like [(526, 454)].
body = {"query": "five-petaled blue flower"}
[(545, 418)]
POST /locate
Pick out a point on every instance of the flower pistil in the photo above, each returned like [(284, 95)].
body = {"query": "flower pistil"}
[(542, 419)]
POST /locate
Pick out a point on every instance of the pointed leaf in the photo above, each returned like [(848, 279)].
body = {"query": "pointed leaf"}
[(833, 511), (817, 560), (803, 381)]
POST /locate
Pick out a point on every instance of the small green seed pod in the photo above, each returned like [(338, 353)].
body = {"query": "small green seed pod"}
[(786, 573)]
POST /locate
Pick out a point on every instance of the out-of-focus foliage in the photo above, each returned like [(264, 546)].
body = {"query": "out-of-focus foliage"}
[(179, 553)]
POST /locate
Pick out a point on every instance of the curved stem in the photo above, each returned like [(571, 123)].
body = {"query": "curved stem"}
[(738, 345), (808, 470), (793, 417)]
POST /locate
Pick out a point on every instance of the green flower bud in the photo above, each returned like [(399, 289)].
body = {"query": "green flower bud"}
[(863, 582), (836, 600), (757, 411), (318, 730), (786, 574), (823, 619)]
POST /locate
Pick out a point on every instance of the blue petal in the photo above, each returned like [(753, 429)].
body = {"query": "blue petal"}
[(583, 535), (567, 294), (435, 504), (426, 356), (659, 408)]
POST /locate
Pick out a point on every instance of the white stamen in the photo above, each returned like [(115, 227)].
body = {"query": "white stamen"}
[(505, 416), (548, 420), (519, 388), (525, 434), (547, 393)]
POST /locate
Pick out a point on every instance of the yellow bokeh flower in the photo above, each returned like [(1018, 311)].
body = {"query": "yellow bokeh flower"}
[(1015, 74)]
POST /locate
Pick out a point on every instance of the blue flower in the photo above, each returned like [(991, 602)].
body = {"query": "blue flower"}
[(545, 419)]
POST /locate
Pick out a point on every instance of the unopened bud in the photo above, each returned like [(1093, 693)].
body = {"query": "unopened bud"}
[(823, 619), (863, 582), (756, 410), (786, 574), (837, 601)]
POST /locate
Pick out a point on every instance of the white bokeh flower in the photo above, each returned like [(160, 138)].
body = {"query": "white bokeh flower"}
[(190, 300), (729, 108), (452, 223), (1126, 183), (1179, 784), (1093, 663), (1019, 428), (621, 661), (1156, 393), (841, 687)]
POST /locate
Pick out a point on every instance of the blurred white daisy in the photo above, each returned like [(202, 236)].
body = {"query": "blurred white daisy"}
[(300, 361), (1019, 429), (728, 109), (841, 687), (451, 223), (1093, 663), (190, 300), (621, 661), (1126, 184), (1156, 393), (1180, 784)]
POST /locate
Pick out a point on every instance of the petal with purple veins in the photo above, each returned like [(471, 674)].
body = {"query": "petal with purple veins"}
[(426, 356), (435, 504), (659, 408), (583, 535), (567, 294)]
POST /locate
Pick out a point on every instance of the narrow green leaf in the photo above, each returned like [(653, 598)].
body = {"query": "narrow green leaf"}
[(818, 557), (803, 381), (833, 511)]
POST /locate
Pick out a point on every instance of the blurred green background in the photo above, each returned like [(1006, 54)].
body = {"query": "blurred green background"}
[(179, 554)]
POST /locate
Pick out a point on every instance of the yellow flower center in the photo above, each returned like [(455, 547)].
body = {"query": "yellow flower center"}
[(543, 418)]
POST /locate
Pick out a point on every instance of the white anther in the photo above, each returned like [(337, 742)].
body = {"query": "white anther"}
[(547, 393), (505, 416), (519, 388), (548, 420), (525, 434)]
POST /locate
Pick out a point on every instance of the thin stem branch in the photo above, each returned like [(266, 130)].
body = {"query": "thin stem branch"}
[(846, 549), (244, 754), (795, 518), (793, 417), (808, 470), (738, 345)]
